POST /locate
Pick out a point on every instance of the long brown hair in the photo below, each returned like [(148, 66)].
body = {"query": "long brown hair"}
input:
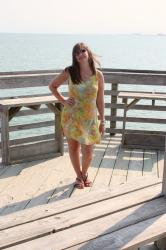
[(74, 69)]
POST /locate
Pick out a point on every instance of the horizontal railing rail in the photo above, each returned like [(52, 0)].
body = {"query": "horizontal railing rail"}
[(35, 83)]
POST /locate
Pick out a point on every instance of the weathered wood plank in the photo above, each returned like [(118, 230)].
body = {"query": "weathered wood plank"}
[(19, 187), (103, 69), (13, 94), (31, 79), (130, 93), (31, 139), (120, 170), (5, 136), (144, 140), (137, 119), (136, 107), (142, 95), (135, 164), (150, 246), (113, 110), (108, 70), (26, 112), (150, 163), (160, 163), (104, 173), (164, 172), (58, 128), (23, 72), (26, 101), (135, 78), (132, 228), (136, 236), (26, 80), (32, 125), (55, 186), (27, 190), (7, 177), (128, 131), (44, 211), (36, 149), (50, 123), (124, 120)]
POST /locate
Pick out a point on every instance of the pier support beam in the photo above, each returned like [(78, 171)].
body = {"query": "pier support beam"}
[(114, 98)]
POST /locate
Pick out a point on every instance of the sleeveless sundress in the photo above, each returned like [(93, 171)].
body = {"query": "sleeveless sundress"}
[(80, 122)]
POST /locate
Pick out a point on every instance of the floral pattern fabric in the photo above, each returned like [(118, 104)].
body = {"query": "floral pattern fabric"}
[(80, 122)]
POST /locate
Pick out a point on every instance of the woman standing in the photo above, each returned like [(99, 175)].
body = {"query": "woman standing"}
[(79, 119)]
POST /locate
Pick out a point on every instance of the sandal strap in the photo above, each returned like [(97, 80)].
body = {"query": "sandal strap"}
[(79, 179), (79, 183), (87, 182), (85, 177)]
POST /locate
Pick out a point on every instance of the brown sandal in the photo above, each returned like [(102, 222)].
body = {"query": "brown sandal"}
[(79, 183), (87, 182)]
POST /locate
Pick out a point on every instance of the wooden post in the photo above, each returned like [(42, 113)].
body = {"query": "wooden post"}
[(161, 244), (124, 119), (58, 129), (113, 110), (164, 173), (5, 136)]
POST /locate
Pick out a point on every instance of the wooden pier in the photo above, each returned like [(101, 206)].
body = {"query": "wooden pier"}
[(39, 182), (30, 187)]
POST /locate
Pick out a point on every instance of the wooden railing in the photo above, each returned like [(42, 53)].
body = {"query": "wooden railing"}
[(141, 80), (35, 83)]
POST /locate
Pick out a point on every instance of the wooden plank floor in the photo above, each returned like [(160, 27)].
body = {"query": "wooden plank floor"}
[(41, 182), (96, 215), (33, 183)]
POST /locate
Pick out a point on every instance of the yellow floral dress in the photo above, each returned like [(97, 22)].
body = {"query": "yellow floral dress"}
[(80, 122)]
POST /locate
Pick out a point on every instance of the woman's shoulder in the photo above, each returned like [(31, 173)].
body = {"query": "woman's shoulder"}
[(65, 74), (99, 74), (68, 69)]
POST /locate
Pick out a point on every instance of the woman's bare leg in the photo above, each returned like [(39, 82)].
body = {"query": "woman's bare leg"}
[(87, 155), (74, 152)]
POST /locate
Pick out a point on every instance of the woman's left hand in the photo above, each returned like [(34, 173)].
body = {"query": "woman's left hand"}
[(102, 128)]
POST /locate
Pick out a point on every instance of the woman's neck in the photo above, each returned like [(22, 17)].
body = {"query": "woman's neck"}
[(85, 69)]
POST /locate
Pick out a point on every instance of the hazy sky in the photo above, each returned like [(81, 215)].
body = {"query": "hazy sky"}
[(88, 16)]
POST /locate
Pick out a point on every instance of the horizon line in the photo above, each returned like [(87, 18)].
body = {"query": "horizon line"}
[(56, 33)]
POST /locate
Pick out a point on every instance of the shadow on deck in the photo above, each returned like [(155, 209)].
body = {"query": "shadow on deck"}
[(39, 182)]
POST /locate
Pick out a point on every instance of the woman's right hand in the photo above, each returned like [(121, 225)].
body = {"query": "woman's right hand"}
[(69, 101)]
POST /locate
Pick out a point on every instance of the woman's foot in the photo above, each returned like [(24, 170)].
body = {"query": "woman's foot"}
[(87, 182), (79, 183)]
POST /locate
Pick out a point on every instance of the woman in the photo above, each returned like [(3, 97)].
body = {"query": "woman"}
[(79, 119)]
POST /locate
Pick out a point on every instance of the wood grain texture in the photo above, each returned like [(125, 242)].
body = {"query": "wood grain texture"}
[(132, 225)]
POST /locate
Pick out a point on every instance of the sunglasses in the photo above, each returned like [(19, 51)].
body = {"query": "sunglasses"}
[(80, 51)]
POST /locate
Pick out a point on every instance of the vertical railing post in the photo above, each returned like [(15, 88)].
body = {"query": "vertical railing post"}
[(114, 88), (58, 129), (124, 120), (164, 172), (5, 136)]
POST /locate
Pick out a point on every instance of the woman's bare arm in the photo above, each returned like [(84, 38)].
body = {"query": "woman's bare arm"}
[(54, 85), (100, 95), (100, 102)]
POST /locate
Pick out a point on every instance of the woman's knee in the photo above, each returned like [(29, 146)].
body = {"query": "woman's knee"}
[(87, 152), (73, 145)]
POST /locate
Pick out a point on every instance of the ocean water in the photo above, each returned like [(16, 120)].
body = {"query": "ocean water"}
[(52, 51)]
